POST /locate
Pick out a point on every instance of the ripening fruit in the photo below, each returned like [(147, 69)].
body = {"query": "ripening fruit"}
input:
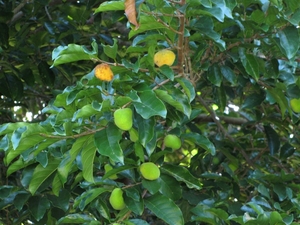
[(164, 57), (108, 167), (150, 171), (133, 135), (123, 118), (116, 199), (103, 72), (295, 105), (172, 141)]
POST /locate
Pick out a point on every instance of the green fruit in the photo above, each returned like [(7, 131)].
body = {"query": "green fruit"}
[(133, 135), (295, 105), (107, 168), (116, 199), (150, 171), (123, 118), (215, 160), (172, 141)]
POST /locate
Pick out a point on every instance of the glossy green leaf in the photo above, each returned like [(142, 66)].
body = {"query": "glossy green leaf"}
[(200, 140), (187, 87), (110, 6), (289, 40), (147, 23), (179, 104), (253, 100), (75, 218), (147, 104), (87, 159), (152, 186), (66, 164), (205, 25), (164, 209), (263, 190), (111, 51), (145, 129), (107, 142), (21, 199), (228, 74), (170, 187), (11, 86), (252, 66), (281, 100), (167, 71), (286, 150), (261, 201), (73, 53), (281, 191), (202, 214), (275, 218), (182, 174), (38, 206), (61, 201), (214, 75), (87, 197), (273, 139), (257, 208), (41, 174)]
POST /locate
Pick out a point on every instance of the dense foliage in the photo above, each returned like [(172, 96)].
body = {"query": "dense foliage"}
[(227, 97)]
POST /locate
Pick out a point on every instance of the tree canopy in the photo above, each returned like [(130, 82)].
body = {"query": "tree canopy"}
[(86, 101)]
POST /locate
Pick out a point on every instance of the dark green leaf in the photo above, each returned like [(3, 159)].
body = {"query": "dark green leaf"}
[(286, 150), (110, 6), (214, 75), (148, 105), (273, 139), (87, 159), (289, 40), (38, 206), (167, 71), (253, 100), (182, 174), (73, 53), (164, 209), (41, 174), (107, 142), (111, 51)]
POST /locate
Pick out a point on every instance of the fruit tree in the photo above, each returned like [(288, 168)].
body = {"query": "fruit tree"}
[(150, 112)]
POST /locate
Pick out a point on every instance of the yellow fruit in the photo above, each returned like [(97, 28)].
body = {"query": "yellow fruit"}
[(295, 105), (150, 171), (116, 199), (107, 168), (103, 72), (133, 135), (164, 57), (123, 118), (172, 141)]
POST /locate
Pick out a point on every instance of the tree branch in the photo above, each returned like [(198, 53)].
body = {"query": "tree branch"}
[(226, 119)]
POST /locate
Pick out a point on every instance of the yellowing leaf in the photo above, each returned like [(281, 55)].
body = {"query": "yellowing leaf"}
[(131, 12), (103, 72)]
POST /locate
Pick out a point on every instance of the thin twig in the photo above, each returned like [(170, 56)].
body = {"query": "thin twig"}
[(72, 136), (222, 129)]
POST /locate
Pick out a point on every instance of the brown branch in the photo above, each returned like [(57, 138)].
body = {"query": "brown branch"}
[(72, 136), (180, 46), (226, 119), (222, 129)]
